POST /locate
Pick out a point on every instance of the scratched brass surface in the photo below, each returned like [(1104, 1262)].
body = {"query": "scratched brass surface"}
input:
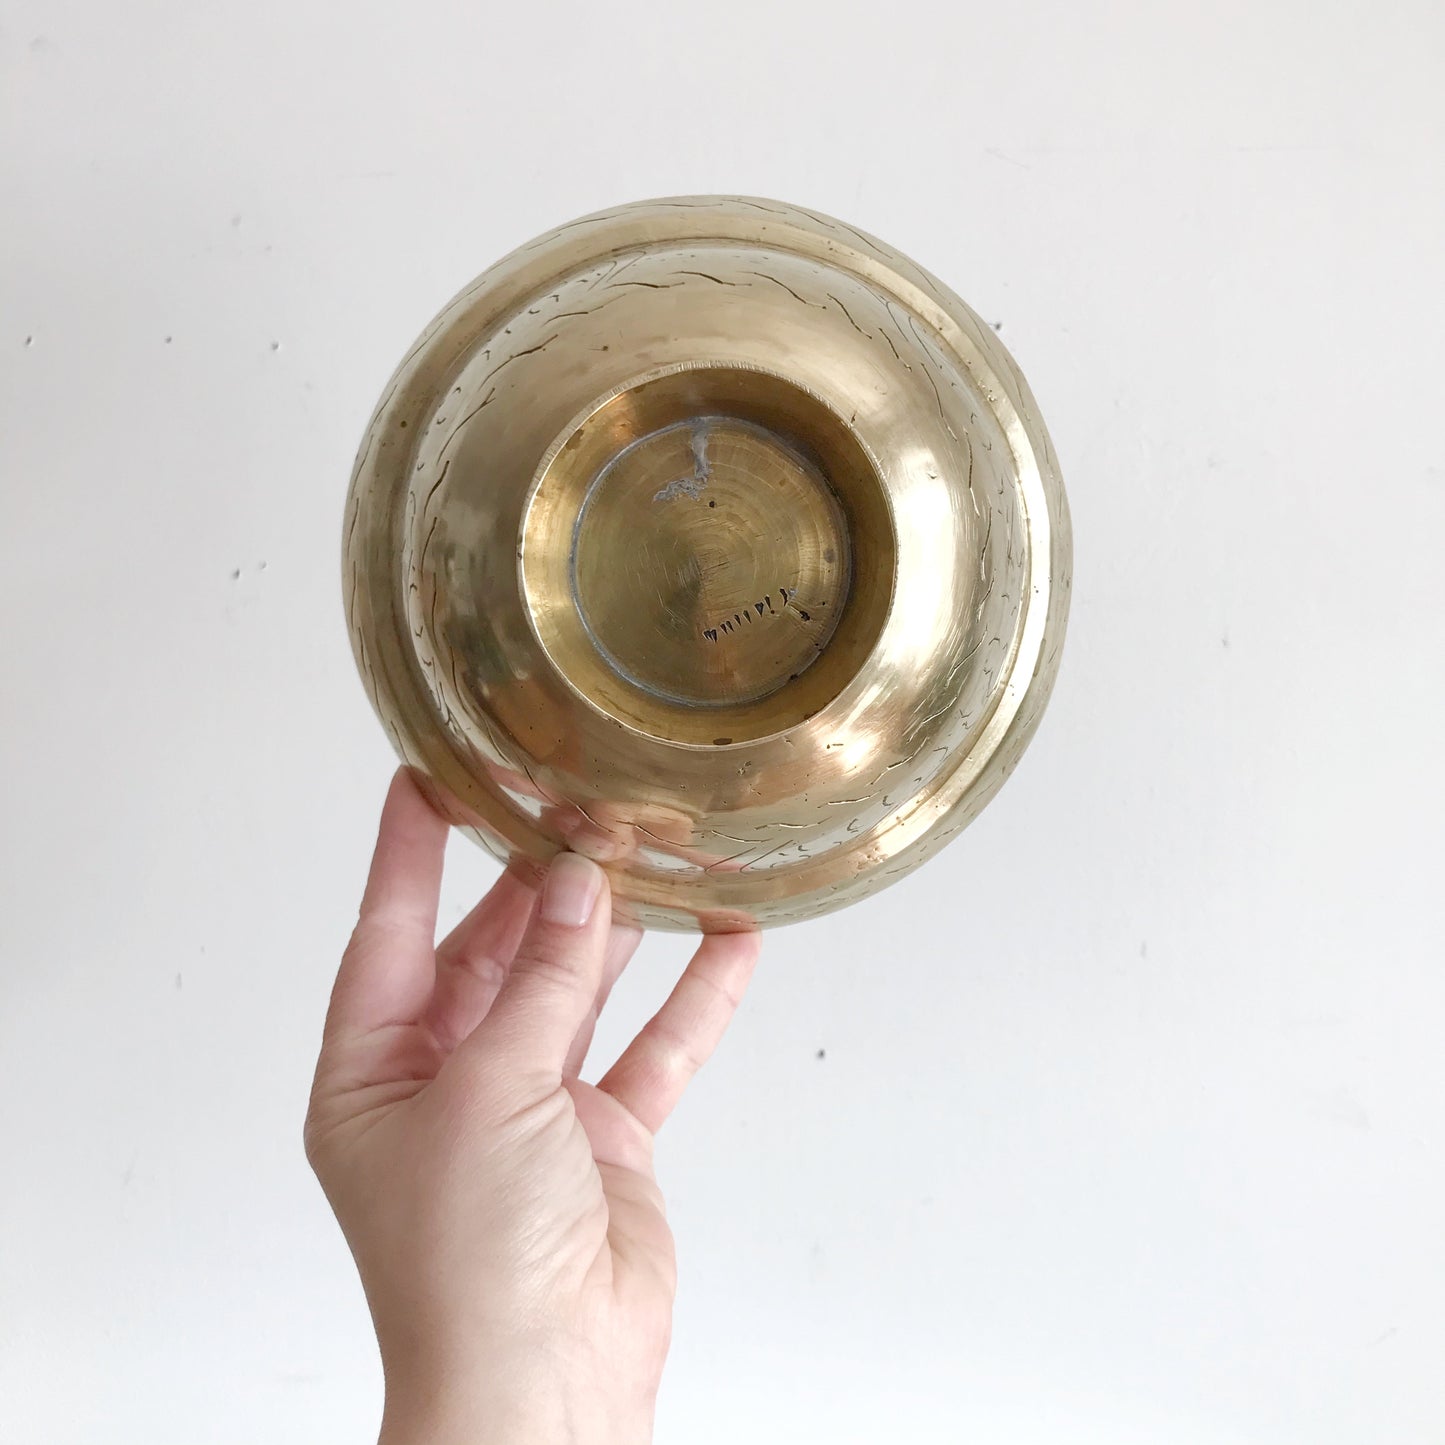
[(715, 539)]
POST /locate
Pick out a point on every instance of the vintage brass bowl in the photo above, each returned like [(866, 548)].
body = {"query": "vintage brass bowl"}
[(712, 538)]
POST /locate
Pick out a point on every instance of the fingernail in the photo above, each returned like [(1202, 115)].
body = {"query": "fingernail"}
[(570, 892)]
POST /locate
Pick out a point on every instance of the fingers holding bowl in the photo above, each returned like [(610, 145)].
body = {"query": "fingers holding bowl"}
[(656, 1068)]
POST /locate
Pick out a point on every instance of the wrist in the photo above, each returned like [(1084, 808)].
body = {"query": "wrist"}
[(482, 1420), (520, 1408)]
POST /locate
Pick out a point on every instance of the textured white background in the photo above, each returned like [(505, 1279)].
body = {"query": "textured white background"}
[(1128, 1125)]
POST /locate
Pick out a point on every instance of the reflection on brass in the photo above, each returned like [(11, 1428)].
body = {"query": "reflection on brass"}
[(714, 539)]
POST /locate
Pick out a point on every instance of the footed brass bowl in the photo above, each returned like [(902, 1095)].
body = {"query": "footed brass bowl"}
[(716, 540)]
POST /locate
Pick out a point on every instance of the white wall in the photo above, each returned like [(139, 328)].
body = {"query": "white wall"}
[(1129, 1123)]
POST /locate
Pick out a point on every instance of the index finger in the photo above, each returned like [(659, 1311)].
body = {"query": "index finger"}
[(389, 967)]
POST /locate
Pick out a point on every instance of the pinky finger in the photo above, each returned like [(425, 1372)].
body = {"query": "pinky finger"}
[(650, 1077)]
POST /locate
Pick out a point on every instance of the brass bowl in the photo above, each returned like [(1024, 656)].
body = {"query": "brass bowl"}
[(714, 539)]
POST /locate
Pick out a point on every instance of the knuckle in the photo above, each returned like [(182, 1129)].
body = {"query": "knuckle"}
[(549, 964), (719, 988), (674, 1051), (489, 972)]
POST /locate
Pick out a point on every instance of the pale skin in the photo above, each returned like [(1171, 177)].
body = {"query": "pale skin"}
[(504, 1215)]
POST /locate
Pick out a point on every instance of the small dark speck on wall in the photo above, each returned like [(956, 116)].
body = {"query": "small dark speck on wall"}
[(178, 983), (822, 1053), (997, 325), (1224, 641), (1144, 949), (30, 341), (169, 339), (235, 574), (275, 346)]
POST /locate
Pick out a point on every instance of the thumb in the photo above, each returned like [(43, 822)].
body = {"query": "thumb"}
[(550, 988)]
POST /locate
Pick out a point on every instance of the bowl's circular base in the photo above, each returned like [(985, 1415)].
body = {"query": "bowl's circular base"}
[(708, 554), (710, 562)]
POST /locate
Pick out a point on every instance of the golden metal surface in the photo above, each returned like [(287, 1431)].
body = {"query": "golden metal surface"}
[(716, 540)]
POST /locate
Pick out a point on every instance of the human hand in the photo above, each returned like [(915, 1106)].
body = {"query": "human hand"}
[(504, 1216)]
